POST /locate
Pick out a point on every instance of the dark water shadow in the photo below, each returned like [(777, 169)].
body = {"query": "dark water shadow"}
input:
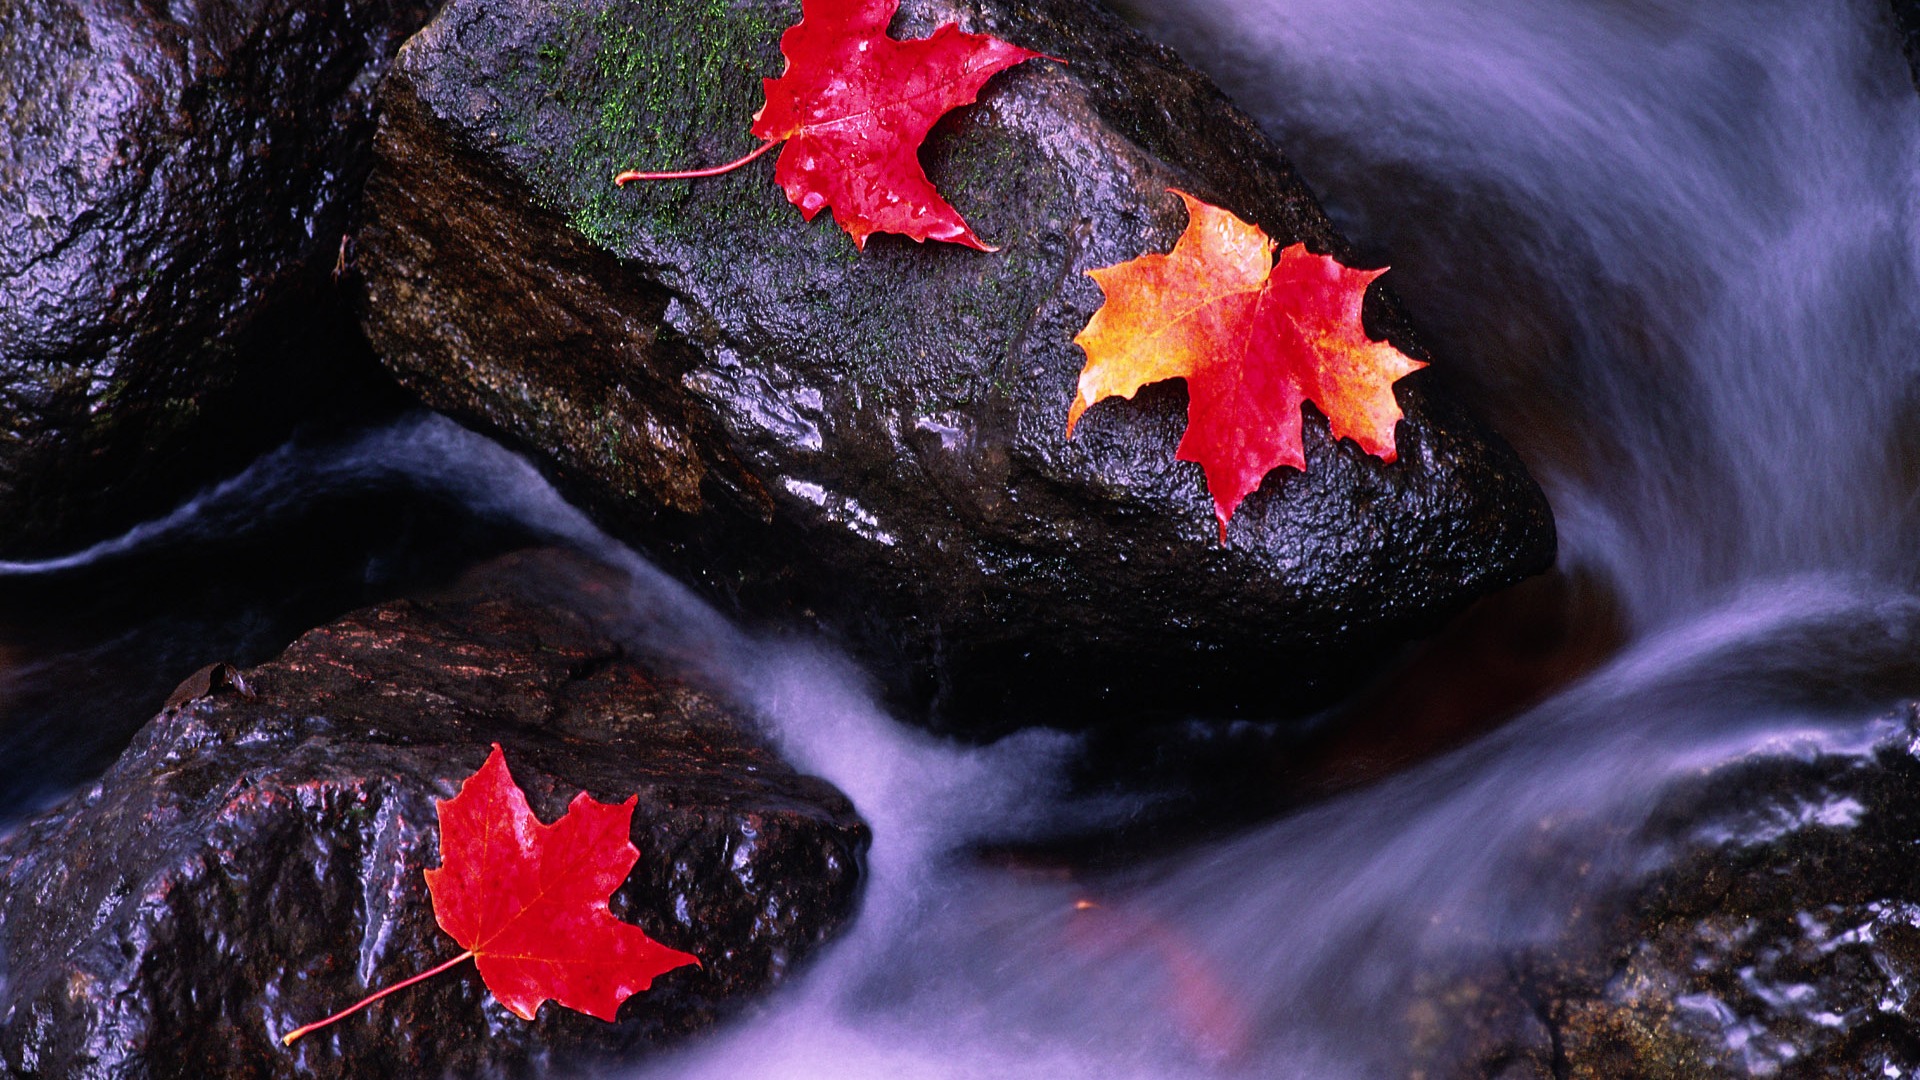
[(91, 645)]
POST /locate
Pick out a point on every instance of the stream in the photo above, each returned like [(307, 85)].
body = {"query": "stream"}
[(1670, 249)]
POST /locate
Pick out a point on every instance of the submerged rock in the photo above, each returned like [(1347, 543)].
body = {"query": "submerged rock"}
[(254, 862), (876, 440), (1781, 938), (174, 183)]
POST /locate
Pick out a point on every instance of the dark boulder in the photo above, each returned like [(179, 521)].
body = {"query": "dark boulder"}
[(254, 861), (877, 440), (174, 184), (1906, 21)]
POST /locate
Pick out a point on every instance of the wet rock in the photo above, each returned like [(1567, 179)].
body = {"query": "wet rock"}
[(1782, 938), (1906, 18), (254, 861), (876, 440), (174, 181)]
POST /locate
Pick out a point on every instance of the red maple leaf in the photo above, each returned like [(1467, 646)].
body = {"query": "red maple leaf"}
[(529, 901), (1253, 338), (853, 107)]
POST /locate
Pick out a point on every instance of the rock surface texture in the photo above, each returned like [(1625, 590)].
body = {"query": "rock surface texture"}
[(877, 440), (174, 185), (255, 860), (1782, 939), (1906, 19)]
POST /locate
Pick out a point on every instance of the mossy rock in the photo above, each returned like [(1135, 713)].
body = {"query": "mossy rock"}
[(874, 441)]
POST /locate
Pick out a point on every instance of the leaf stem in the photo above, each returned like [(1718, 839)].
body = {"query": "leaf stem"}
[(624, 178), (296, 1033)]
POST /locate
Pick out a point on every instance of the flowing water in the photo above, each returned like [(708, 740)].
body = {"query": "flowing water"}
[(1671, 249)]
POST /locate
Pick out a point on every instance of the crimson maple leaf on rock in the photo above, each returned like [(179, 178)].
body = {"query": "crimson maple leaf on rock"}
[(529, 901), (853, 107), (1254, 339)]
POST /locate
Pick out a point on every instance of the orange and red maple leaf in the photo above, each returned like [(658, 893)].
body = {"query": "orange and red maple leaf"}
[(1253, 338)]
